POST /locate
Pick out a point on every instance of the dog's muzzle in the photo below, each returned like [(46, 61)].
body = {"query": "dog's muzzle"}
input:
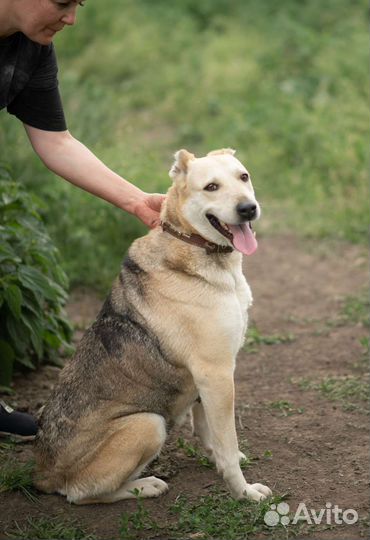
[(247, 211)]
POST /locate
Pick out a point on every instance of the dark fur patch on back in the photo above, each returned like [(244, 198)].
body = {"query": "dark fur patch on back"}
[(132, 275), (114, 329), (132, 266)]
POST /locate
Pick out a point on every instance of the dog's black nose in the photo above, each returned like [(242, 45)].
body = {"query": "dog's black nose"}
[(247, 210)]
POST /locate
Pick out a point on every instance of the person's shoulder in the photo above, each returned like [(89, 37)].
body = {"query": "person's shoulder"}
[(26, 47), (35, 51), (27, 44), (24, 41)]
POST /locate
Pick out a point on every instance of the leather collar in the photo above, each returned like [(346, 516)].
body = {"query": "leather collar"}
[(196, 240)]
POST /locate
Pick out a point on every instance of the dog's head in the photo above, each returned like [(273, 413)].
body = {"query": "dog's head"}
[(216, 198)]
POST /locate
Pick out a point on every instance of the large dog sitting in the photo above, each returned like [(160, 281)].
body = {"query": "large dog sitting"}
[(164, 343)]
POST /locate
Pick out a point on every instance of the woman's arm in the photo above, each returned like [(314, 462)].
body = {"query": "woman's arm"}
[(70, 159)]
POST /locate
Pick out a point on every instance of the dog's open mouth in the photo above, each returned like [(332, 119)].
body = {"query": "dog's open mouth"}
[(241, 236)]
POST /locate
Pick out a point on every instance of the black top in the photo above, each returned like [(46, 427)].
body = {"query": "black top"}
[(29, 84)]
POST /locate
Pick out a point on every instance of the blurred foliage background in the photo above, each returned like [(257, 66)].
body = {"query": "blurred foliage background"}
[(282, 81)]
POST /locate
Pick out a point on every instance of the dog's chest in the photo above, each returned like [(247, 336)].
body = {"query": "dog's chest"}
[(206, 320), (232, 312)]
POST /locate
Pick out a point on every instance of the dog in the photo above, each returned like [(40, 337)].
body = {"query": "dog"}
[(163, 344)]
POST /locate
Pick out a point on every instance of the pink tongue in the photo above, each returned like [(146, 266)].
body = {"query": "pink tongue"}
[(244, 239)]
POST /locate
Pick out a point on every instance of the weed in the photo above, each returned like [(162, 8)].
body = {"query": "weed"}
[(353, 310), (365, 342), (194, 452), (140, 520), (16, 476), (249, 459), (212, 516), (246, 462), (342, 388), (356, 309), (46, 528), (218, 516), (286, 408), (349, 390), (255, 338), (6, 447)]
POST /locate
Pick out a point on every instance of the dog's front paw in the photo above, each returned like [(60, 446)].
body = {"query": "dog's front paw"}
[(257, 492), (242, 456)]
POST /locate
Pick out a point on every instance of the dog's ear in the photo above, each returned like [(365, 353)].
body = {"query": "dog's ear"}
[(222, 151), (182, 158)]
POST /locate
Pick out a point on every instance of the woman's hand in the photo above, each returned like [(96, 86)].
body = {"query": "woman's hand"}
[(148, 210)]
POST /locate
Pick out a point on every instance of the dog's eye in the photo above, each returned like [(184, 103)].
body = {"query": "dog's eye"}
[(211, 187), (244, 177)]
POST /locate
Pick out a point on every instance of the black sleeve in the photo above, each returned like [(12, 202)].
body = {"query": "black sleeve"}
[(39, 104)]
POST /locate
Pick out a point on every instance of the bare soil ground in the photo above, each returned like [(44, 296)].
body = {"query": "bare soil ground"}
[(304, 444)]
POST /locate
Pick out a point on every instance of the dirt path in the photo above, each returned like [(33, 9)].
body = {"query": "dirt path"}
[(305, 331)]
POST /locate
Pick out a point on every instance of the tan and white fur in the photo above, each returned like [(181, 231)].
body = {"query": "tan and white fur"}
[(163, 345)]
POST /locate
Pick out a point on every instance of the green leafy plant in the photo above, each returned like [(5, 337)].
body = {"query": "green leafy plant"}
[(44, 528), (140, 520), (33, 288)]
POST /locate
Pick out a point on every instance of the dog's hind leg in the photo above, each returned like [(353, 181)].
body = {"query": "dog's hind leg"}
[(142, 487), (201, 429), (110, 475)]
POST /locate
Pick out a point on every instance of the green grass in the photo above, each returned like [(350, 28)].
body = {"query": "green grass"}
[(213, 516), (254, 339), (6, 447), (353, 310), (46, 528), (194, 452), (15, 476), (219, 516), (285, 408), (365, 347), (138, 521), (352, 391), (283, 83), (356, 309)]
